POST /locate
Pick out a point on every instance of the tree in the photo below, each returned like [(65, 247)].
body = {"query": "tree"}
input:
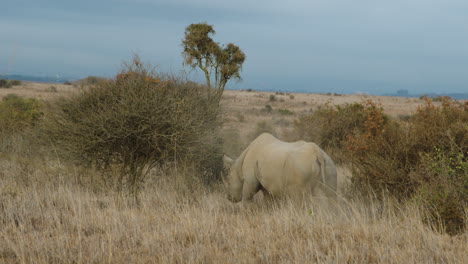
[(218, 63)]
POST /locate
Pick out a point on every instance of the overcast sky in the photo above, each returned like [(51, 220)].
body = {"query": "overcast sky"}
[(372, 46)]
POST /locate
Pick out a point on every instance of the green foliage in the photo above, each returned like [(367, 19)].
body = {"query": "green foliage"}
[(9, 83), (272, 98), (219, 62), (18, 113), (285, 112), (138, 121), (444, 188), (15, 82), (19, 118)]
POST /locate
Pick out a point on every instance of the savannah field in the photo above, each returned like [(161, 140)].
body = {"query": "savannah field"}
[(55, 212)]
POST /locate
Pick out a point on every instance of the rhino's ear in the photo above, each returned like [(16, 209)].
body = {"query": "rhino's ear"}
[(227, 161)]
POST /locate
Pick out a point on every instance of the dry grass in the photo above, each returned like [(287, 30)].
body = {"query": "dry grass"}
[(44, 91), (177, 221), (249, 105), (49, 214)]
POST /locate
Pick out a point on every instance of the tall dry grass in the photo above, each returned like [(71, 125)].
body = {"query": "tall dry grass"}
[(51, 218)]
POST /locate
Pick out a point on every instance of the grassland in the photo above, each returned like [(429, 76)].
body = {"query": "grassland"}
[(50, 214)]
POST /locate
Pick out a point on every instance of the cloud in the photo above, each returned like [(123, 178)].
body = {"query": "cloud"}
[(407, 42)]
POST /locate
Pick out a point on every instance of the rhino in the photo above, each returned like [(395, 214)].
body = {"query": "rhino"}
[(279, 169)]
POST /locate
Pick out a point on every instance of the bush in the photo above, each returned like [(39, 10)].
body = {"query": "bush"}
[(285, 112), (15, 82), (330, 127), (402, 146), (422, 159), (138, 121), (272, 98), (268, 108), (443, 188), (18, 113), (5, 83), (9, 83)]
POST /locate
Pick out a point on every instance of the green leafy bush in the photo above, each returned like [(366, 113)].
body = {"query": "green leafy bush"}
[(138, 121)]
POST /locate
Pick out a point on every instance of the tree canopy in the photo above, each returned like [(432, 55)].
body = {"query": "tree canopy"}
[(219, 63)]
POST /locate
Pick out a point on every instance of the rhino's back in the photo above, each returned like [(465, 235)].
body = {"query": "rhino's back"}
[(280, 166)]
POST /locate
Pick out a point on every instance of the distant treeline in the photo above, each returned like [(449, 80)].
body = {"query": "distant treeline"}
[(457, 96)]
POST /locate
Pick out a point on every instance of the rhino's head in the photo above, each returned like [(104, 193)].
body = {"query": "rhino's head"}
[(233, 181)]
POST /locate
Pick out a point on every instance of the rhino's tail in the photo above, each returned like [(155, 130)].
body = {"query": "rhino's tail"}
[(327, 181), (321, 161)]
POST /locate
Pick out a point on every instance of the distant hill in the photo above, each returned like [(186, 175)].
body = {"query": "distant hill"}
[(41, 79), (93, 79)]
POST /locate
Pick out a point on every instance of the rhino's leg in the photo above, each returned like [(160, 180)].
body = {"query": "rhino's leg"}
[(250, 188)]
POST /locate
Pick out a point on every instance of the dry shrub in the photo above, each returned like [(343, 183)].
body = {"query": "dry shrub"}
[(267, 109), (422, 159), (136, 122), (330, 126)]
